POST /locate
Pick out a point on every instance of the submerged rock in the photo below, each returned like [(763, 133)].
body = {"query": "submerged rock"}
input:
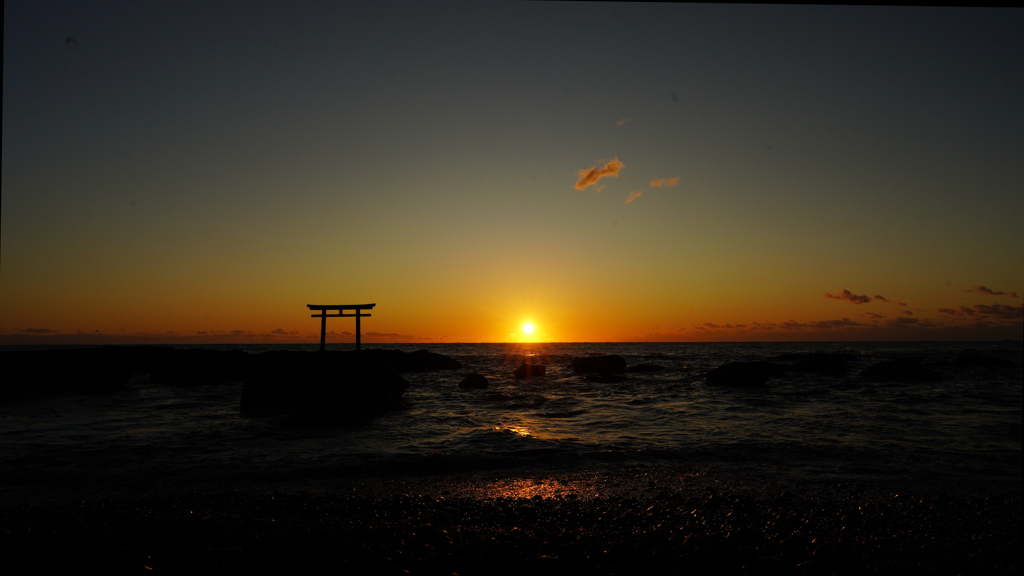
[(641, 368), (473, 381), (529, 371), (600, 364), (823, 364), (899, 369), (744, 374)]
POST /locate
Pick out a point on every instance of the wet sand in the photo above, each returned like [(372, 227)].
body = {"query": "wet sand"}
[(628, 521)]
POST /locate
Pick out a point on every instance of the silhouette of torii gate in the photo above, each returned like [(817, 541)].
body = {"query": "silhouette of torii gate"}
[(323, 316)]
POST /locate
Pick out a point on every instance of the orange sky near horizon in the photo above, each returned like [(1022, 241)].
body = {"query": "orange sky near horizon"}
[(201, 177)]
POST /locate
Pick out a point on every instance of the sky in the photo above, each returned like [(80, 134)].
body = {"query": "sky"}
[(200, 172)]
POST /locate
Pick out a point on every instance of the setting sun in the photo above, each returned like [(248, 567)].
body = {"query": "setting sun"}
[(528, 328)]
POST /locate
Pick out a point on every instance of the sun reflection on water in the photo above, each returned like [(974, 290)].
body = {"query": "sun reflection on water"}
[(516, 429)]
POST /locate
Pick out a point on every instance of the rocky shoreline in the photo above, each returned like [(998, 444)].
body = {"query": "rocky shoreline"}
[(630, 521)]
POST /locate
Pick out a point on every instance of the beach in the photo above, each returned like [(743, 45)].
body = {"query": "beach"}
[(627, 521)]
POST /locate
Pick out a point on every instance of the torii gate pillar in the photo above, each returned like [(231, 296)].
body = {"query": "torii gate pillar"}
[(323, 315)]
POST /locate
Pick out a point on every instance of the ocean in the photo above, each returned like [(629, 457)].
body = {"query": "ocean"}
[(961, 430)]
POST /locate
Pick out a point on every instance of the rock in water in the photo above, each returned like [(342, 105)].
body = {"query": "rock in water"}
[(600, 364), (529, 371), (823, 364), (198, 367), (744, 374), (418, 361), (899, 369), (473, 381), (317, 388), (75, 371), (642, 368)]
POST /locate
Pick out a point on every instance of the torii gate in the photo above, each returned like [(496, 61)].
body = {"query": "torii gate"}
[(323, 316)]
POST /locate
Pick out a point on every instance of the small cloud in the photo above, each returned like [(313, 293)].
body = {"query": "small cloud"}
[(664, 182), (886, 300), (634, 196), (590, 176), (202, 333), (40, 331), (238, 332), (849, 297), (872, 315), (279, 331), (988, 292), (620, 122)]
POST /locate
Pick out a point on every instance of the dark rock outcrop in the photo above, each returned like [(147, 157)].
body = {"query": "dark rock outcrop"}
[(600, 364), (473, 381), (319, 387), (65, 371), (823, 364), (899, 369), (744, 374), (197, 367), (276, 381), (642, 368), (419, 361), (529, 371)]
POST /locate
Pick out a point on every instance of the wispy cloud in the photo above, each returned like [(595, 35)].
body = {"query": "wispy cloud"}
[(590, 176), (1000, 310), (905, 322), (984, 311), (989, 292), (887, 301), (960, 312), (850, 297), (620, 122), (664, 182), (634, 196), (872, 315)]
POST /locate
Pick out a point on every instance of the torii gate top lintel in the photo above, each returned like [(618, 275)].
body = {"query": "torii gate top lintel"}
[(323, 315)]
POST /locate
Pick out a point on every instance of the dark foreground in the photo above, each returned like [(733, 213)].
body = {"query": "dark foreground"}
[(635, 521)]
